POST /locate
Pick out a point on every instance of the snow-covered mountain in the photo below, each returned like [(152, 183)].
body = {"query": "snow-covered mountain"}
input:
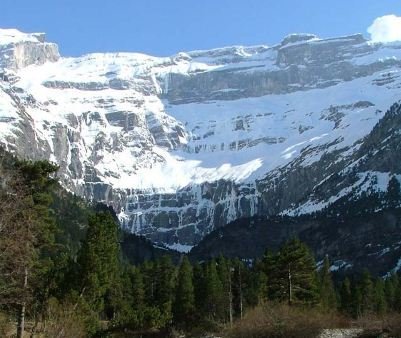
[(184, 144)]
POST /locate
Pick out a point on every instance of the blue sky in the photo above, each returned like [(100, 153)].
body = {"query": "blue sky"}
[(164, 27)]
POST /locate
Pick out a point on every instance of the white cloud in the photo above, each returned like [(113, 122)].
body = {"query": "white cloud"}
[(386, 29)]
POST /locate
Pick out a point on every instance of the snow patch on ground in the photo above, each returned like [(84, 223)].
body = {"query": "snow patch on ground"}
[(340, 264), (397, 266), (180, 247), (370, 180)]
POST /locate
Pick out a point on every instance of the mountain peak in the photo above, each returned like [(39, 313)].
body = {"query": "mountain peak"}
[(18, 49), (298, 37), (12, 35)]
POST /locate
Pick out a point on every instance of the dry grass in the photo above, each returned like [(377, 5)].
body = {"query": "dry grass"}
[(5, 326), (374, 326), (279, 320), (63, 322), (392, 324)]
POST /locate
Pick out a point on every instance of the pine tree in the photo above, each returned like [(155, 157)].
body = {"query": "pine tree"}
[(149, 275), (164, 287), (158, 283), (356, 301), (99, 260), (397, 294), (199, 274), (379, 297), (138, 290), (114, 299), (224, 271), (134, 296), (213, 292), (261, 287), (346, 299), (37, 233), (390, 289), (293, 277), (367, 295), (239, 287), (256, 291), (328, 298), (184, 303), (268, 266)]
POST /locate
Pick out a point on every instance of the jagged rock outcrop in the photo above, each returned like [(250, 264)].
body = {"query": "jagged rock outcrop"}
[(18, 50), (182, 145)]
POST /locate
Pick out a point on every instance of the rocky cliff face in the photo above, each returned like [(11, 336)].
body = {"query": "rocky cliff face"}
[(18, 50), (184, 144), (355, 220)]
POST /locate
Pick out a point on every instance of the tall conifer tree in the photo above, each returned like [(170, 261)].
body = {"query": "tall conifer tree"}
[(184, 303), (346, 297), (328, 298), (367, 293), (213, 292), (99, 260), (379, 297), (293, 277)]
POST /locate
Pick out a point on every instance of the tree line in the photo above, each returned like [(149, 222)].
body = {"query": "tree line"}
[(62, 272)]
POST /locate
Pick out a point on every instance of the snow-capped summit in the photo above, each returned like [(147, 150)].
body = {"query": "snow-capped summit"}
[(18, 50), (297, 38), (8, 36), (180, 145)]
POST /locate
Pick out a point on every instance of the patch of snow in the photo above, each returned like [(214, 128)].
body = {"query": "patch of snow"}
[(397, 266), (180, 247), (340, 264)]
